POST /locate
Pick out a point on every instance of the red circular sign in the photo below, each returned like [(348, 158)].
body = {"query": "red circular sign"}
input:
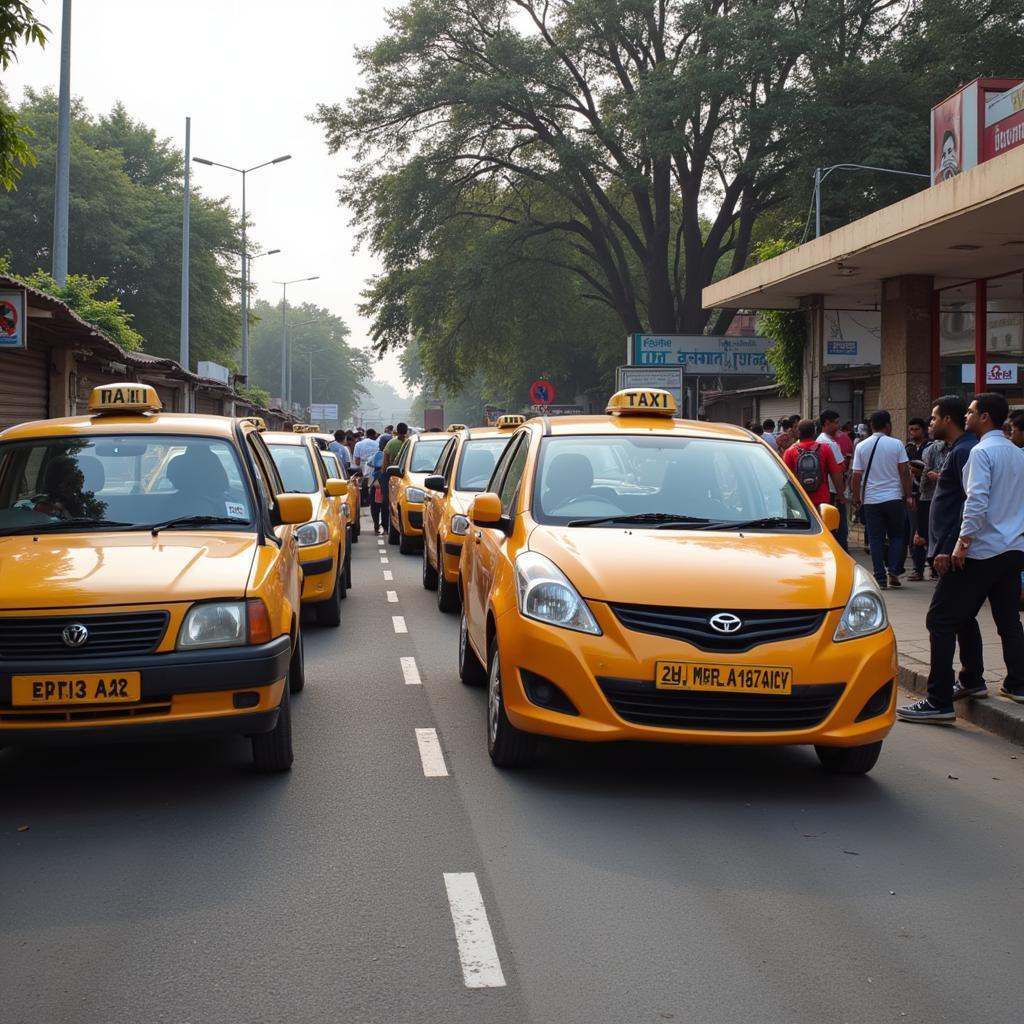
[(542, 392), (8, 318)]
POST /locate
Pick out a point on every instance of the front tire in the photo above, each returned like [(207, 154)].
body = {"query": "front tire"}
[(406, 545), (328, 613), (508, 746), (392, 531), (849, 760), (430, 574), (447, 593), (471, 672), (272, 751)]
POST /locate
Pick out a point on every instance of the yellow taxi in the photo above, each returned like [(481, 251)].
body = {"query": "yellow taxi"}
[(324, 551), (637, 577), (416, 461), (463, 471), (149, 579), (354, 497)]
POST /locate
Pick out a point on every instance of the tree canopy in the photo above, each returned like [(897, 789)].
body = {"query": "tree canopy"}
[(17, 24)]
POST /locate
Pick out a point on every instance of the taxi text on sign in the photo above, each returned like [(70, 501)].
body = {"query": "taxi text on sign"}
[(12, 318), (702, 354), (128, 397)]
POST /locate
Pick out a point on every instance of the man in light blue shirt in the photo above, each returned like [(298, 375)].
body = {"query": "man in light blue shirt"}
[(987, 561)]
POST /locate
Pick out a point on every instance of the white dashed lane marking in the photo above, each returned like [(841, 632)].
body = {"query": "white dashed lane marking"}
[(477, 953), (431, 754), (392, 596), (383, 560), (410, 672), (399, 623), (388, 574)]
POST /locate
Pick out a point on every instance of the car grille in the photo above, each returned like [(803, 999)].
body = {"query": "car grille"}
[(640, 702), (109, 635), (692, 625)]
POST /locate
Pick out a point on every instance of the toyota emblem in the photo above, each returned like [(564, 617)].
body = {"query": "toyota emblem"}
[(74, 635), (725, 622)]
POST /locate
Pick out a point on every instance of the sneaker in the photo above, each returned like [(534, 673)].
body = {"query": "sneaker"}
[(925, 711), (895, 582), (961, 692), (915, 577), (882, 585), (1018, 697)]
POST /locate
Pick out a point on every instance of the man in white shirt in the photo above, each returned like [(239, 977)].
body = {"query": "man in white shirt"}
[(829, 420), (363, 454), (882, 485), (986, 564)]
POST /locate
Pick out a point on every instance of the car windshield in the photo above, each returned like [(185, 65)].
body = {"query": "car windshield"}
[(425, 455), (295, 465), (120, 481), (478, 461), (664, 482)]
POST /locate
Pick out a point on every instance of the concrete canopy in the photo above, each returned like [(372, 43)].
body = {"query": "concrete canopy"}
[(969, 227)]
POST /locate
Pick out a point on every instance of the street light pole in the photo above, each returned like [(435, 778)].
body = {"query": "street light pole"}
[(285, 375), (62, 188), (243, 171), (819, 177)]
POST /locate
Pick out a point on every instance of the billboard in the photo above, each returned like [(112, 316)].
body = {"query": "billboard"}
[(667, 378), (852, 337), (318, 412), (1004, 122), (948, 138), (701, 354)]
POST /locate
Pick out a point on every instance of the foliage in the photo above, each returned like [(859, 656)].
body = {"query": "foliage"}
[(125, 226), (338, 370), (787, 330), (260, 397), (17, 22), (80, 293)]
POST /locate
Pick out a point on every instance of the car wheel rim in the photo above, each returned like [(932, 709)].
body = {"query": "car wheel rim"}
[(494, 700)]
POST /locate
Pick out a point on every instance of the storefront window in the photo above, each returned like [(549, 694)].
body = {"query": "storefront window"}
[(956, 341), (1004, 329)]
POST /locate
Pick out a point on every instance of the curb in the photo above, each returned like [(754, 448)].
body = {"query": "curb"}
[(996, 714)]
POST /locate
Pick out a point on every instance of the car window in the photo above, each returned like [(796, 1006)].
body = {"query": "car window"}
[(663, 475), (295, 464), (444, 464), (513, 478), (121, 480), (332, 465), (425, 456), (477, 462), (264, 477)]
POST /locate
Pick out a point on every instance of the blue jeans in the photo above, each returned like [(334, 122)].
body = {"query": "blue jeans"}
[(885, 524)]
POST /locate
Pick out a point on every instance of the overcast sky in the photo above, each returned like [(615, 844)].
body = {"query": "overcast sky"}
[(247, 72)]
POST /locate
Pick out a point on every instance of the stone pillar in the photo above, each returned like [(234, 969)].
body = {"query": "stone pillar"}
[(906, 349)]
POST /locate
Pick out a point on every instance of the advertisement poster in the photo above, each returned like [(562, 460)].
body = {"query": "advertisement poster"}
[(12, 318), (1004, 122), (947, 139)]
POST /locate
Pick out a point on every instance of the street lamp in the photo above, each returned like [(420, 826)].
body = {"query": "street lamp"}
[(284, 332), (819, 177), (243, 171)]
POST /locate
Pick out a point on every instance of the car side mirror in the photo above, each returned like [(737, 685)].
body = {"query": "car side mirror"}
[(435, 483), (486, 510), (830, 516), (393, 471), (335, 488), (293, 509)]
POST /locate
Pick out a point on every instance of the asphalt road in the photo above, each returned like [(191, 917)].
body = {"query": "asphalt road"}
[(619, 884)]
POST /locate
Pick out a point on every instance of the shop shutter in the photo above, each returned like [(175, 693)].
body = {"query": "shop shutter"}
[(772, 408), (209, 404), (24, 386), (168, 397)]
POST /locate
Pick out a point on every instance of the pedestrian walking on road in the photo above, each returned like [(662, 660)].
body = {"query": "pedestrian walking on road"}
[(338, 447), (830, 435), (881, 486), (985, 563), (363, 453), (377, 503), (934, 459)]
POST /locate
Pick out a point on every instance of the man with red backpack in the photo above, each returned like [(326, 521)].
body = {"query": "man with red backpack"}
[(814, 464)]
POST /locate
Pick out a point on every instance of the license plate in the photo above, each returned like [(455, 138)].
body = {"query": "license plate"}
[(77, 688), (685, 675)]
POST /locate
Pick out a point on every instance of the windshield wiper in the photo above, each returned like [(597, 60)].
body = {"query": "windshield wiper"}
[(765, 522), (68, 524), (658, 518), (155, 528)]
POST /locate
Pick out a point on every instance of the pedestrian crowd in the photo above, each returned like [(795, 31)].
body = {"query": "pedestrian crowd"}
[(951, 500)]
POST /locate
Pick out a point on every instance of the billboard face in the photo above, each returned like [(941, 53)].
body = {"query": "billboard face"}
[(1004, 122), (853, 337), (947, 138)]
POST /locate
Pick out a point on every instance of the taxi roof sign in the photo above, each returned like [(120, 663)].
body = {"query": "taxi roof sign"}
[(257, 421), (509, 422), (642, 402), (127, 397), (453, 427), (306, 428)]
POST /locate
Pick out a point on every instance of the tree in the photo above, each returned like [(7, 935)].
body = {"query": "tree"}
[(609, 124), (339, 371), (125, 226), (17, 23)]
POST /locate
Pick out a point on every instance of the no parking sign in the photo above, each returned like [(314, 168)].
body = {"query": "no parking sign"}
[(542, 392), (12, 319)]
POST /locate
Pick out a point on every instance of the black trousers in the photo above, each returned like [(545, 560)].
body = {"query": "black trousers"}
[(953, 616)]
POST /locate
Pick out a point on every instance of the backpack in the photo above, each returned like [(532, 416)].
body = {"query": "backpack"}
[(808, 469)]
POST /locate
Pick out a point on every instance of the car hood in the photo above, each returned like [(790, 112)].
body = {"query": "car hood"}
[(61, 571), (699, 570)]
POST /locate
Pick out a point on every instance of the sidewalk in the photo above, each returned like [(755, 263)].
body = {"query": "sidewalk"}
[(907, 609)]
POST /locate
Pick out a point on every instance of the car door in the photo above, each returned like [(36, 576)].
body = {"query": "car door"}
[(433, 501)]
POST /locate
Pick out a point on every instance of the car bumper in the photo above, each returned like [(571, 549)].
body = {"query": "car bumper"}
[(450, 555), (318, 572), (194, 693), (412, 520), (610, 681)]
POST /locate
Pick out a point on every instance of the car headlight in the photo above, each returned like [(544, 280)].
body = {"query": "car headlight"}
[(460, 526), (865, 612), (213, 624), (311, 533), (415, 495), (545, 594)]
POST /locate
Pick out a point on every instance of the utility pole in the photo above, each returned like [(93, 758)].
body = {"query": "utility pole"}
[(185, 214), (62, 189)]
